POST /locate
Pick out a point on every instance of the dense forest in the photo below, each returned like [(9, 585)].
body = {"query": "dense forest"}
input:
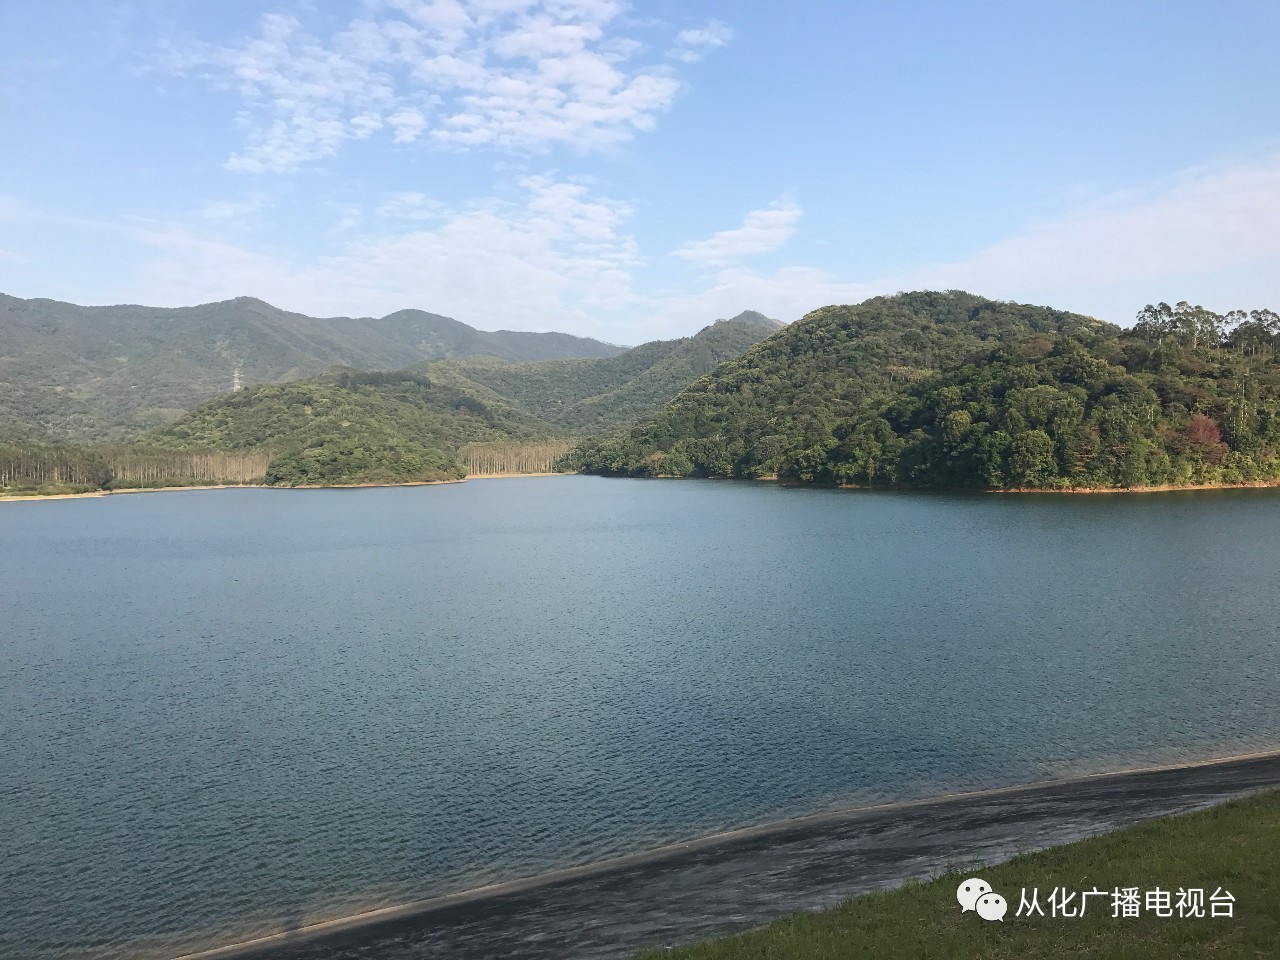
[(497, 459), (350, 427), (28, 468), (950, 390)]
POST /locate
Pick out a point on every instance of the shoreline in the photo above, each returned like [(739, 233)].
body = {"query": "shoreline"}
[(89, 494), (762, 842), (1159, 488), (1067, 491), (1059, 491)]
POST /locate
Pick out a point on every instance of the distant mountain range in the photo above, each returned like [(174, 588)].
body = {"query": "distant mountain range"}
[(349, 426), (74, 373)]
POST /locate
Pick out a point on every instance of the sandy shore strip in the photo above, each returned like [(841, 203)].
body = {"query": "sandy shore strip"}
[(740, 879), (1161, 488), (16, 498)]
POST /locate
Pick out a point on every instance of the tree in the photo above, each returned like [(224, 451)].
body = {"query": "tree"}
[(1204, 438), (1031, 460)]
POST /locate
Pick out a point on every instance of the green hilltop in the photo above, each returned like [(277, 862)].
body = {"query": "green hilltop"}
[(952, 390)]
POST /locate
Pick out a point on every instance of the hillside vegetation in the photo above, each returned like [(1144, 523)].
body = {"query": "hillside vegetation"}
[(93, 374), (348, 426), (951, 390), (585, 397)]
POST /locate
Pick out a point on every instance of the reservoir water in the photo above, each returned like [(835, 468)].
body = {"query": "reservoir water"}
[(225, 713)]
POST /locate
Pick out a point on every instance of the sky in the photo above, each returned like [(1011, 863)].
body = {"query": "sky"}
[(634, 171)]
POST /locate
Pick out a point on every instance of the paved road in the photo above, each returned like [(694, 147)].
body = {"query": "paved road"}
[(744, 880)]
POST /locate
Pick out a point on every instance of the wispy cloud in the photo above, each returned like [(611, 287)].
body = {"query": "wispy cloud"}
[(552, 252), (557, 257), (230, 212), (691, 45), (411, 205), (1201, 222), (762, 231), (786, 294), (512, 74)]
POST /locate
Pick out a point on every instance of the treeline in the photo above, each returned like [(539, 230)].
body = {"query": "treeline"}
[(513, 458), (24, 466), (1186, 396), (1194, 326)]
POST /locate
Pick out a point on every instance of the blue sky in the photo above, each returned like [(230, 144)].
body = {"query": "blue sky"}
[(633, 171)]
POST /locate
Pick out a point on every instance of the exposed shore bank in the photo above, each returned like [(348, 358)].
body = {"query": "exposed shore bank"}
[(264, 486), (742, 879), (1161, 488)]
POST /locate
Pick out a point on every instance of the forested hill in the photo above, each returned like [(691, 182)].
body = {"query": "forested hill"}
[(585, 397), (950, 390), (109, 373), (348, 426), (788, 393)]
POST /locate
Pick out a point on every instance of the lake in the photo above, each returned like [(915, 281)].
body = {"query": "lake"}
[(228, 712)]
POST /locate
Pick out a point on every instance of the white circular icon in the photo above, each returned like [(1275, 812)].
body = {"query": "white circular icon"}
[(969, 891), (991, 906)]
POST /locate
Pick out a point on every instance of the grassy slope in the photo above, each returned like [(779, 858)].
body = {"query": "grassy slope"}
[(1234, 846)]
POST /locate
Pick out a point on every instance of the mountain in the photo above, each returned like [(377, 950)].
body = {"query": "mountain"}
[(109, 373), (785, 396), (348, 426), (587, 397), (948, 390)]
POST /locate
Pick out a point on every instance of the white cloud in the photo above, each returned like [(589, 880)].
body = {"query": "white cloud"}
[(558, 258), (787, 295), (1204, 222), (231, 212), (691, 45), (762, 231), (408, 124), (512, 74), (411, 205)]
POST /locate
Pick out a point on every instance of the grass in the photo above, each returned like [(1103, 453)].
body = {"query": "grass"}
[(1235, 846)]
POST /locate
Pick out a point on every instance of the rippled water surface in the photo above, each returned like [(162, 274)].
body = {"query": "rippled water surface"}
[(229, 712)]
